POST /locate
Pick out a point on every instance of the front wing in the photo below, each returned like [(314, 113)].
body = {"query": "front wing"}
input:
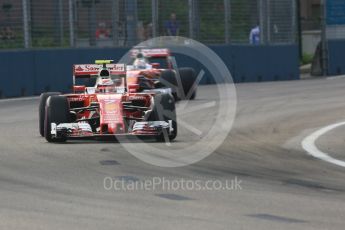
[(84, 130)]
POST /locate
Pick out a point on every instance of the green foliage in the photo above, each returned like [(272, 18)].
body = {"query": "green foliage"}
[(46, 42), (180, 7), (211, 15), (243, 18), (212, 27), (12, 44), (43, 42), (307, 59), (17, 42), (144, 11), (47, 37), (165, 8)]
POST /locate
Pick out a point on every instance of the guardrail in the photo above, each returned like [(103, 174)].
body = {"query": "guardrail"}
[(31, 72), (336, 51)]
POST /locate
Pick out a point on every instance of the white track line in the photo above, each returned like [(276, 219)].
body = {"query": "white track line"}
[(308, 145)]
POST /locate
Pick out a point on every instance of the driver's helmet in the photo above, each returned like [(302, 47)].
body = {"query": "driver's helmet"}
[(105, 82), (105, 85), (140, 62)]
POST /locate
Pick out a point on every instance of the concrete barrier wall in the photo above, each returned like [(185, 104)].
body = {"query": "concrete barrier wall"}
[(31, 72), (336, 57)]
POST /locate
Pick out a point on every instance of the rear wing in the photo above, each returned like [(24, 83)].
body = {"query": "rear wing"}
[(88, 70), (150, 52)]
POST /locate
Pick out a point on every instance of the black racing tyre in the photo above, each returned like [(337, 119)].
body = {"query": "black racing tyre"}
[(168, 79), (193, 96), (164, 110), (42, 110), (57, 111), (188, 77)]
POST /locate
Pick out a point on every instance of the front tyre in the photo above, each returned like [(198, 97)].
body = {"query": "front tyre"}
[(164, 110), (57, 111), (42, 110)]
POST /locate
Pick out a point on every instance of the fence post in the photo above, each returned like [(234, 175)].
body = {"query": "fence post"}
[(59, 33), (132, 21), (154, 4), (293, 22), (262, 21), (191, 18), (268, 21), (92, 23), (324, 52), (299, 29), (26, 23), (71, 7), (115, 21), (227, 19)]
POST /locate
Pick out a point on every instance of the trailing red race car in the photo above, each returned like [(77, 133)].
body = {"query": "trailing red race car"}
[(159, 65), (105, 103)]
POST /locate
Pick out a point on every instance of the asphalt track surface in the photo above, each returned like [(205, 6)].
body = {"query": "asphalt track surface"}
[(61, 186)]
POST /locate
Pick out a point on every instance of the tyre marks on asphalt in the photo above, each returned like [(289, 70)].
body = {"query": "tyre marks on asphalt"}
[(172, 196), (275, 218), (109, 162)]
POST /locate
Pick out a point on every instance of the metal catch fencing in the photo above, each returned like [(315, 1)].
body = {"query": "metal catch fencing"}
[(116, 23), (334, 19)]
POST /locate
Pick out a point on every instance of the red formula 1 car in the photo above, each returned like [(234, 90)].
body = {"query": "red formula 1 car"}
[(160, 66), (105, 104)]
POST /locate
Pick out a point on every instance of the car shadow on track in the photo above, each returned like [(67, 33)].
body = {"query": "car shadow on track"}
[(111, 140)]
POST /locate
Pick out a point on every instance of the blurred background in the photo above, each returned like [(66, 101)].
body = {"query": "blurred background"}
[(116, 23), (258, 40)]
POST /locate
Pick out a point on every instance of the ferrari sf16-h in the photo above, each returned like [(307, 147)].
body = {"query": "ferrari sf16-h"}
[(158, 64), (111, 106)]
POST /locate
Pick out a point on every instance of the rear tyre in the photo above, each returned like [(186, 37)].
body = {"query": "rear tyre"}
[(42, 110), (168, 79), (188, 77), (193, 96), (57, 111), (164, 110)]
